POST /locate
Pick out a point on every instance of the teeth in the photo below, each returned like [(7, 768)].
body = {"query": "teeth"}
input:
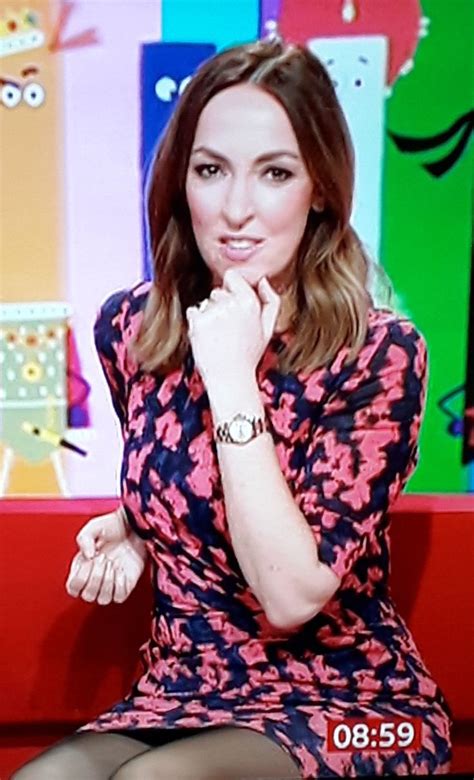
[(241, 244)]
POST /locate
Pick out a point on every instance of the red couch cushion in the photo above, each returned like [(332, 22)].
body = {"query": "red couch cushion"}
[(63, 661)]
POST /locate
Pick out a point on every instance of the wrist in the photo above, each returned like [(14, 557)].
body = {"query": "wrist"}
[(226, 400), (122, 518)]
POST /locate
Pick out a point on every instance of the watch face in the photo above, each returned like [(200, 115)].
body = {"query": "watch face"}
[(240, 430)]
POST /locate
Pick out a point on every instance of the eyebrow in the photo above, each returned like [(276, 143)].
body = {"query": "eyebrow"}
[(28, 71), (362, 59), (10, 82), (261, 159)]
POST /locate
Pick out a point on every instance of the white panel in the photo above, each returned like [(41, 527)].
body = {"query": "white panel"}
[(357, 66)]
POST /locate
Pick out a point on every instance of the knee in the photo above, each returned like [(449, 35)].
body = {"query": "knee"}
[(53, 764), (37, 769), (129, 772), (159, 768)]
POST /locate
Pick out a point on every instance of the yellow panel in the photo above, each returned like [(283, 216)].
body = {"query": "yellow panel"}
[(31, 162)]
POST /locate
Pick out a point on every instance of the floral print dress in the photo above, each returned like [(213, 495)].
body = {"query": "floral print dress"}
[(346, 440)]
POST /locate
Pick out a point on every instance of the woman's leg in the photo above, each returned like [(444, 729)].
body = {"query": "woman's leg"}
[(85, 756), (224, 753)]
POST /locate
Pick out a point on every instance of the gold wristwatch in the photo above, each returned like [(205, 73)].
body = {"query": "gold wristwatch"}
[(240, 429)]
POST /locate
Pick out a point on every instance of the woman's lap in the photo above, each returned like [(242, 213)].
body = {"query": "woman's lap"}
[(222, 753)]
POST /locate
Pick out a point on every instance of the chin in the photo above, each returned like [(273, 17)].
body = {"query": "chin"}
[(251, 275)]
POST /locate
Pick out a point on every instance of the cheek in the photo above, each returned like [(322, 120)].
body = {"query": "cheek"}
[(202, 208), (288, 214)]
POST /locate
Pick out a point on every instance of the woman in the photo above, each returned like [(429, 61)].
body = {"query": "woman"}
[(270, 417)]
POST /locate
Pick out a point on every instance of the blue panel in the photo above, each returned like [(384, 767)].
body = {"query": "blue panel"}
[(470, 478), (223, 22), (163, 68)]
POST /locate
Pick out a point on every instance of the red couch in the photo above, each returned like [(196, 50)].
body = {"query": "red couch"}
[(63, 661)]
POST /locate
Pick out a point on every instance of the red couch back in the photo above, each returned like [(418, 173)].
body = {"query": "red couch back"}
[(63, 661)]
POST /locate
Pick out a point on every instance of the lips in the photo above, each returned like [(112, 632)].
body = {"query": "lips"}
[(239, 248)]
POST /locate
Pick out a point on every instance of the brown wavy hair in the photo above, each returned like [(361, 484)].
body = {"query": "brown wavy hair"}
[(330, 292)]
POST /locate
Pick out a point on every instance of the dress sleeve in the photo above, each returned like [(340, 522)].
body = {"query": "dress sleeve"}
[(109, 330), (365, 445)]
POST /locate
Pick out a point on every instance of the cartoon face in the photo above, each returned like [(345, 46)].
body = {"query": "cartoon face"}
[(357, 66), (400, 23), (31, 92), (166, 69)]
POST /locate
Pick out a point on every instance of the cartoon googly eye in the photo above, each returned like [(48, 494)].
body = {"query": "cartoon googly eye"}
[(165, 89), (184, 84), (34, 95), (10, 95)]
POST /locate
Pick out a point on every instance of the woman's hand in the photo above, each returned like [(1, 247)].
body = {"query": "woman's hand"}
[(110, 560), (229, 336)]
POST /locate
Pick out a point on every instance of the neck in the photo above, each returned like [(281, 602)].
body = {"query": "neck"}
[(286, 313)]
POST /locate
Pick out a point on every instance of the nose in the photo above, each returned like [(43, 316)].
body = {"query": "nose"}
[(237, 205)]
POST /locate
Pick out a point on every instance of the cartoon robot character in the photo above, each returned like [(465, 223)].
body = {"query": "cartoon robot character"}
[(34, 388), (365, 45), (38, 378)]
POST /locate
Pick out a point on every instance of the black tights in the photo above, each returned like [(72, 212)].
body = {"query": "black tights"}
[(215, 753)]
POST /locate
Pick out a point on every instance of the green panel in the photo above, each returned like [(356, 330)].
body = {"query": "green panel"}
[(426, 236)]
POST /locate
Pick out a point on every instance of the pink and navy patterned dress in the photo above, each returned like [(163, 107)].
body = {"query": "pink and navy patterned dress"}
[(346, 439)]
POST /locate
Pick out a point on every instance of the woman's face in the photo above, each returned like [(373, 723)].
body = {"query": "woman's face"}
[(247, 187)]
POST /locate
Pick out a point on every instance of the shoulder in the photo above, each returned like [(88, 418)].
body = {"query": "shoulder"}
[(121, 310), (394, 352), (393, 346), (391, 338), (389, 323), (124, 304), (119, 318)]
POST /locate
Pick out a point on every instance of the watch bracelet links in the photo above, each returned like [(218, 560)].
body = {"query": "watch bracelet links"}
[(259, 425)]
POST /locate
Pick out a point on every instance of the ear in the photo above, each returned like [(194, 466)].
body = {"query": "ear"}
[(318, 199)]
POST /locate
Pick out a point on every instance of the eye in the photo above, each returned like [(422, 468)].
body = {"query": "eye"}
[(10, 95), (165, 89), (184, 84), (358, 82), (34, 95), (207, 170), (278, 174)]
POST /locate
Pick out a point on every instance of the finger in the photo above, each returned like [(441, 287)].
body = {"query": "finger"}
[(94, 582), (88, 536), (191, 313), (78, 575), (106, 591), (190, 318), (235, 283), (271, 306), (218, 294), (121, 590)]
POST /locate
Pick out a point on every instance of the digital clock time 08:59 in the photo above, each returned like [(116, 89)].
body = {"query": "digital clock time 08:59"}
[(380, 734)]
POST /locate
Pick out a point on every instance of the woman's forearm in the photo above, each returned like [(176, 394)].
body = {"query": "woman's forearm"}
[(272, 540)]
